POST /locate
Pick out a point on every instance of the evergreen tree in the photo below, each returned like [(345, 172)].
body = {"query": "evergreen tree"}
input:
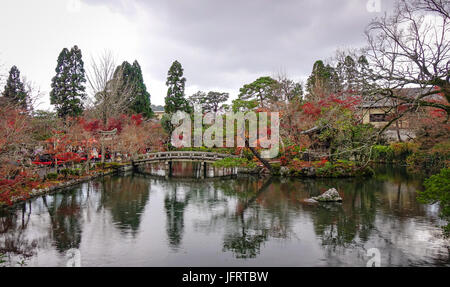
[(15, 89), (175, 99), (262, 90), (68, 90), (197, 99), (211, 102), (323, 79), (131, 80)]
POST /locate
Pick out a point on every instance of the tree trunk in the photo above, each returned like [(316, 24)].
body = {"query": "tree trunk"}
[(397, 128), (258, 156)]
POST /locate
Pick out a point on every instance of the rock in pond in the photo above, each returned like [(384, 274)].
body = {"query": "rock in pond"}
[(331, 195)]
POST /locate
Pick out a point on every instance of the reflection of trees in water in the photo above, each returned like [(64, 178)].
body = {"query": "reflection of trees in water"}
[(246, 236), (257, 215), (352, 223), (65, 216), (249, 229), (175, 203), (338, 224), (14, 245), (126, 198)]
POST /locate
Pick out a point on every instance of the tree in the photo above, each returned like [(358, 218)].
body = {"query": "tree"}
[(111, 93), (262, 89), (211, 102), (288, 90), (197, 98), (68, 90), (175, 99), (348, 73), (411, 48), (323, 80), (214, 100), (130, 77), (15, 89)]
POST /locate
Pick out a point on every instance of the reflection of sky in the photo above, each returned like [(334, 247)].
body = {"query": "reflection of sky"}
[(403, 231)]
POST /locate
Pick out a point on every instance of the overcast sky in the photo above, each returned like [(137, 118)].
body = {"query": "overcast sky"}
[(221, 44)]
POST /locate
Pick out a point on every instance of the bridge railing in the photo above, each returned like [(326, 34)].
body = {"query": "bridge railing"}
[(189, 155)]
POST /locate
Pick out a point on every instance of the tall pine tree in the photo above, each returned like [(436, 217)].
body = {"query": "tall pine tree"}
[(175, 99), (323, 80), (68, 90), (132, 86), (15, 89)]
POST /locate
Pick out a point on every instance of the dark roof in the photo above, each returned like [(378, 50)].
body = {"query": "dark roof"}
[(381, 101)]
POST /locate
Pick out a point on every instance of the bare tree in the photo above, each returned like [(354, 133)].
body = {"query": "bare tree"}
[(34, 94), (410, 48), (110, 93), (287, 90)]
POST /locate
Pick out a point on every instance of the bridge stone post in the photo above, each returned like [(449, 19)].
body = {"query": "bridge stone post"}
[(168, 169), (203, 169)]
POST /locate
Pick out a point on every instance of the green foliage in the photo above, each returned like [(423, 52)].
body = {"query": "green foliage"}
[(175, 99), (131, 79), (395, 152), (402, 150), (382, 154), (68, 90), (15, 89), (345, 138), (323, 78), (276, 168), (235, 162), (52, 176), (242, 105), (108, 165), (430, 160), (65, 172), (68, 171), (339, 168), (167, 124), (261, 90), (437, 189), (2, 258), (211, 102)]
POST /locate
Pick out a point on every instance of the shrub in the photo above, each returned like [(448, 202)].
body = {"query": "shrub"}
[(381, 153), (65, 172), (76, 172), (276, 168), (401, 151), (235, 162), (52, 176), (437, 189), (430, 161), (395, 152)]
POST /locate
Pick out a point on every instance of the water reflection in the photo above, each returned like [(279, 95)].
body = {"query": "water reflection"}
[(136, 220), (175, 202), (64, 213), (125, 198)]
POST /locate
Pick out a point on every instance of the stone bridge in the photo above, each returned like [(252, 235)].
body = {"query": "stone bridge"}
[(180, 156)]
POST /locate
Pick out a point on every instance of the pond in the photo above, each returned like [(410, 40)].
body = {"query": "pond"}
[(138, 220)]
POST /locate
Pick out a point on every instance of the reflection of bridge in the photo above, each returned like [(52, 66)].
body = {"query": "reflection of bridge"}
[(181, 156)]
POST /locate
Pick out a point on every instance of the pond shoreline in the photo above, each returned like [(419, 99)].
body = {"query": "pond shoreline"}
[(56, 188), (260, 172)]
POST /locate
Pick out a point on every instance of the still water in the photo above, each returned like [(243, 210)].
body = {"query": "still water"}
[(137, 220)]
